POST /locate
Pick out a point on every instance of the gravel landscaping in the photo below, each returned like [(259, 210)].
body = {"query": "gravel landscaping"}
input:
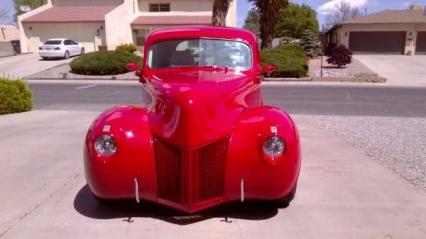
[(395, 142), (355, 69)]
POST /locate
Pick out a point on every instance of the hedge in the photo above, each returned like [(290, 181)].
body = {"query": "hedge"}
[(103, 63), (15, 96), (290, 61)]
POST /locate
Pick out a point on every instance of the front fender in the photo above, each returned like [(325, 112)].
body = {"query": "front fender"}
[(263, 178), (113, 177)]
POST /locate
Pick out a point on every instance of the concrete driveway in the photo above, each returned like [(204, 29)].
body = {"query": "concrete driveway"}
[(399, 70), (341, 194), (26, 65)]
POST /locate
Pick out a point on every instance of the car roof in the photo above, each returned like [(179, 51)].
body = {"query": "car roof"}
[(200, 32), (57, 39)]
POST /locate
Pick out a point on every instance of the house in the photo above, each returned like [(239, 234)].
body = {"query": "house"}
[(387, 32), (109, 23), (8, 35)]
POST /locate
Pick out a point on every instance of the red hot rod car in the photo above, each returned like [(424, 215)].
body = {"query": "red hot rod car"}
[(206, 138)]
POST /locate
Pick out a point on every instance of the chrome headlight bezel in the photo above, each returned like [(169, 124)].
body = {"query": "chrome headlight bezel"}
[(105, 145), (274, 146)]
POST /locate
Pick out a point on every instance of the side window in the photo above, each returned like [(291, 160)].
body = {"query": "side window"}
[(72, 42), (165, 7), (67, 42), (159, 7)]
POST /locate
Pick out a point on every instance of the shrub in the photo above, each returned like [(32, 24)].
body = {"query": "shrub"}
[(290, 61), (103, 63), (129, 48), (311, 43), (286, 40), (338, 55), (15, 96)]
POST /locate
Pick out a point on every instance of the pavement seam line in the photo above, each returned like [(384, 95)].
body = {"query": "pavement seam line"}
[(86, 87), (29, 212)]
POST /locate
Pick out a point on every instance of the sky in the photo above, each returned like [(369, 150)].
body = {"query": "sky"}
[(322, 6)]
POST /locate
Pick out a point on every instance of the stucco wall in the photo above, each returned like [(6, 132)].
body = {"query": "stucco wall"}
[(86, 2), (8, 33), (6, 49), (231, 18), (411, 29), (189, 7), (117, 23), (88, 34), (25, 47)]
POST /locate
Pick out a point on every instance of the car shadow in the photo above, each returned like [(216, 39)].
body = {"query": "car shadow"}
[(58, 58), (87, 205), (51, 59), (334, 67)]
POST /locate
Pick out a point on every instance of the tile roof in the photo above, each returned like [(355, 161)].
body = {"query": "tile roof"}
[(392, 16), (173, 20), (72, 14)]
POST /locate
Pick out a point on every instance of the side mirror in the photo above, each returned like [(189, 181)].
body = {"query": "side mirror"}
[(268, 69), (133, 67)]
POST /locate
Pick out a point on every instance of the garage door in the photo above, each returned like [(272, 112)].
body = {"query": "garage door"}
[(377, 42), (87, 34), (421, 43)]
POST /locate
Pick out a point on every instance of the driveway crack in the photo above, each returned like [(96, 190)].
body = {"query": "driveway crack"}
[(31, 210)]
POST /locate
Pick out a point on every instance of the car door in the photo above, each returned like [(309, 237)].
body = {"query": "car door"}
[(68, 47), (75, 47)]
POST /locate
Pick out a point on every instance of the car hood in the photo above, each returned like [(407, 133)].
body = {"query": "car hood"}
[(194, 108)]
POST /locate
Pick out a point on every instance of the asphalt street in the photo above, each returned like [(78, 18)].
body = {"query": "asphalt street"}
[(296, 99)]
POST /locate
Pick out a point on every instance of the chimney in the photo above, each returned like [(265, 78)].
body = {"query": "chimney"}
[(417, 7)]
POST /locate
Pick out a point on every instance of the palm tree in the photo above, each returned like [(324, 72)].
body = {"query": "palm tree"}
[(252, 22), (220, 10), (269, 13)]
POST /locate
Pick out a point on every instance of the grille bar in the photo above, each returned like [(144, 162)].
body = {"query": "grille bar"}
[(190, 176)]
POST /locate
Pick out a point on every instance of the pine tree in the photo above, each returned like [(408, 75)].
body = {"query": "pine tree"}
[(311, 43)]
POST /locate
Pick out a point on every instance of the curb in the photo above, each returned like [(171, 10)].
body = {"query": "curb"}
[(330, 79), (112, 79), (303, 79)]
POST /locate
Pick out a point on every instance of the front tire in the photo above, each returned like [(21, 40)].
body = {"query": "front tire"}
[(67, 55)]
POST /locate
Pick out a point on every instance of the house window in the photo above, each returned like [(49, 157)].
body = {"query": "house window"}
[(159, 7)]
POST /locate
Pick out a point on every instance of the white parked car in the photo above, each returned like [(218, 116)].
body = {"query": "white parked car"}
[(60, 47)]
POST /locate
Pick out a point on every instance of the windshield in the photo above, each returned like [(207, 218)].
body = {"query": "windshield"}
[(53, 42), (200, 52)]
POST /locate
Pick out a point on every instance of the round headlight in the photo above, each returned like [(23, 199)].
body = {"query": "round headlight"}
[(105, 145), (274, 146)]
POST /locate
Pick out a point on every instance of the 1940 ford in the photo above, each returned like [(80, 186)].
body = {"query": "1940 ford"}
[(206, 138)]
